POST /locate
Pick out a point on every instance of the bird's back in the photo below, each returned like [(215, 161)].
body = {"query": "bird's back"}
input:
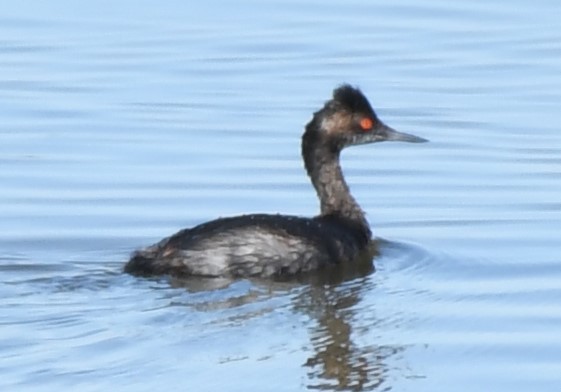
[(253, 245)]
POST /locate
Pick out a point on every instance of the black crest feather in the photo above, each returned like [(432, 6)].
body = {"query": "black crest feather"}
[(352, 99)]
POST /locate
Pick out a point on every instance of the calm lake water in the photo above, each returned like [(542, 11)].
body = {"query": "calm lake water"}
[(123, 122)]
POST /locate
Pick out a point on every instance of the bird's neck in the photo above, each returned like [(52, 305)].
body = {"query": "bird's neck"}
[(324, 170)]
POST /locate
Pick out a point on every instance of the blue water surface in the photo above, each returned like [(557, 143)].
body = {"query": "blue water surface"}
[(123, 122)]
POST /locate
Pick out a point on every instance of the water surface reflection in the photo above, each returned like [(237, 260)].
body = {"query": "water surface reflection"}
[(337, 361), (331, 301)]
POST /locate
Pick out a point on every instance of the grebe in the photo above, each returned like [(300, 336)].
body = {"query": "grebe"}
[(263, 245)]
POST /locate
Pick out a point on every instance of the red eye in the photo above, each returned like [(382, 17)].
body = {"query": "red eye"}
[(366, 123)]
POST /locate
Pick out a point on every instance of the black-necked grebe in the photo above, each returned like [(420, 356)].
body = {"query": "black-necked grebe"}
[(279, 245)]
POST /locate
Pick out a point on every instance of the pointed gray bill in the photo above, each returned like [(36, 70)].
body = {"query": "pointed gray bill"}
[(383, 132)]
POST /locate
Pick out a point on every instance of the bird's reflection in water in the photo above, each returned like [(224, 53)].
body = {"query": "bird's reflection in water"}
[(336, 361), (331, 298)]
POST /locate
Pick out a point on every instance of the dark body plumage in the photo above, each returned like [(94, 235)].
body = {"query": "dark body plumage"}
[(253, 245), (279, 245)]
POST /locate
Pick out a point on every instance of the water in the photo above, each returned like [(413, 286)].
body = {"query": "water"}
[(123, 122)]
